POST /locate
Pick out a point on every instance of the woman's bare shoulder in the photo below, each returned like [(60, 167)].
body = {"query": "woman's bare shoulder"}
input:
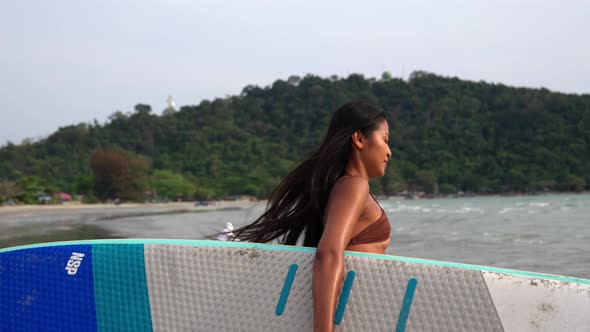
[(347, 202), (354, 187), (353, 181)]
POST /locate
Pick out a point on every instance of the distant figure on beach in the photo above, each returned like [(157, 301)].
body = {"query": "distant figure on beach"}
[(326, 201), (227, 233)]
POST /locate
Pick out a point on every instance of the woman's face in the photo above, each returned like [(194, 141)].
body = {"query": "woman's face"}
[(377, 152)]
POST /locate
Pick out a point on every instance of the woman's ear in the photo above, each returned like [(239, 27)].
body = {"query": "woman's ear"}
[(358, 139)]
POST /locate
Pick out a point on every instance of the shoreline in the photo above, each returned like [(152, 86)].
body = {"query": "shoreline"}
[(474, 195), (222, 204), (171, 206)]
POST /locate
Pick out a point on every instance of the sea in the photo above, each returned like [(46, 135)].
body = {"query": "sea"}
[(541, 233)]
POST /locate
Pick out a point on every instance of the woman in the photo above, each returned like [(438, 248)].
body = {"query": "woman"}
[(328, 197)]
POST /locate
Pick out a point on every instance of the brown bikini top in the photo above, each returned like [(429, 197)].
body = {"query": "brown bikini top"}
[(378, 231)]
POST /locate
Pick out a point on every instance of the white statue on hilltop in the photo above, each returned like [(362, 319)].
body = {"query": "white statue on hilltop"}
[(171, 108)]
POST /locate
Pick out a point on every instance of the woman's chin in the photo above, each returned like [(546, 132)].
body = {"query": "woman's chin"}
[(377, 174)]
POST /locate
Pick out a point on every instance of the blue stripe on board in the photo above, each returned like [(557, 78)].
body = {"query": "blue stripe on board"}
[(120, 286), (40, 292), (344, 297), (406, 305), (247, 245), (286, 289)]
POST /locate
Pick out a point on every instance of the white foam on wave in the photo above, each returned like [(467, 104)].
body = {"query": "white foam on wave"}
[(404, 208), (528, 241), (492, 237), (422, 209), (512, 238), (540, 204), (507, 210), (470, 209)]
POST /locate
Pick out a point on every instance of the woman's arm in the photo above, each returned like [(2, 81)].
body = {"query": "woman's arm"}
[(346, 203)]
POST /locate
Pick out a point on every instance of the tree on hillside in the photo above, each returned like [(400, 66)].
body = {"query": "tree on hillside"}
[(33, 187), (170, 185), (9, 190), (118, 175)]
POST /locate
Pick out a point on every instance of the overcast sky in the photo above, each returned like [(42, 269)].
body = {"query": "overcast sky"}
[(65, 62)]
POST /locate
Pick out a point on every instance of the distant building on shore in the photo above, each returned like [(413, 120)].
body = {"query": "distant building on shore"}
[(64, 197)]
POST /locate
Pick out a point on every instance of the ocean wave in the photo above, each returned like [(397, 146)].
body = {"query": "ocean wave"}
[(423, 209), (540, 204), (510, 209)]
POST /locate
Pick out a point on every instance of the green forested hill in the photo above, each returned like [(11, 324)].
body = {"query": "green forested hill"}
[(448, 135)]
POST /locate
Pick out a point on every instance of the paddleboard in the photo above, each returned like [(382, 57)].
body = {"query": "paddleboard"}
[(187, 285)]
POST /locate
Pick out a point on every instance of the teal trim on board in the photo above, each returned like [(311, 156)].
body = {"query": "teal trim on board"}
[(247, 245), (120, 288)]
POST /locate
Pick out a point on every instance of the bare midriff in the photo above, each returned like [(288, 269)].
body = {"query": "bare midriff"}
[(373, 248)]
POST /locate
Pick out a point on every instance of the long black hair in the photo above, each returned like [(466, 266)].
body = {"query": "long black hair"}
[(298, 203)]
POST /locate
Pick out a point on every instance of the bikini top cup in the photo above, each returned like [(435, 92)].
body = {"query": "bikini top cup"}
[(378, 231)]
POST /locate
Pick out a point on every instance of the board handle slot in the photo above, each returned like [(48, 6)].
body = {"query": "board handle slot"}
[(286, 289), (343, 301)]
